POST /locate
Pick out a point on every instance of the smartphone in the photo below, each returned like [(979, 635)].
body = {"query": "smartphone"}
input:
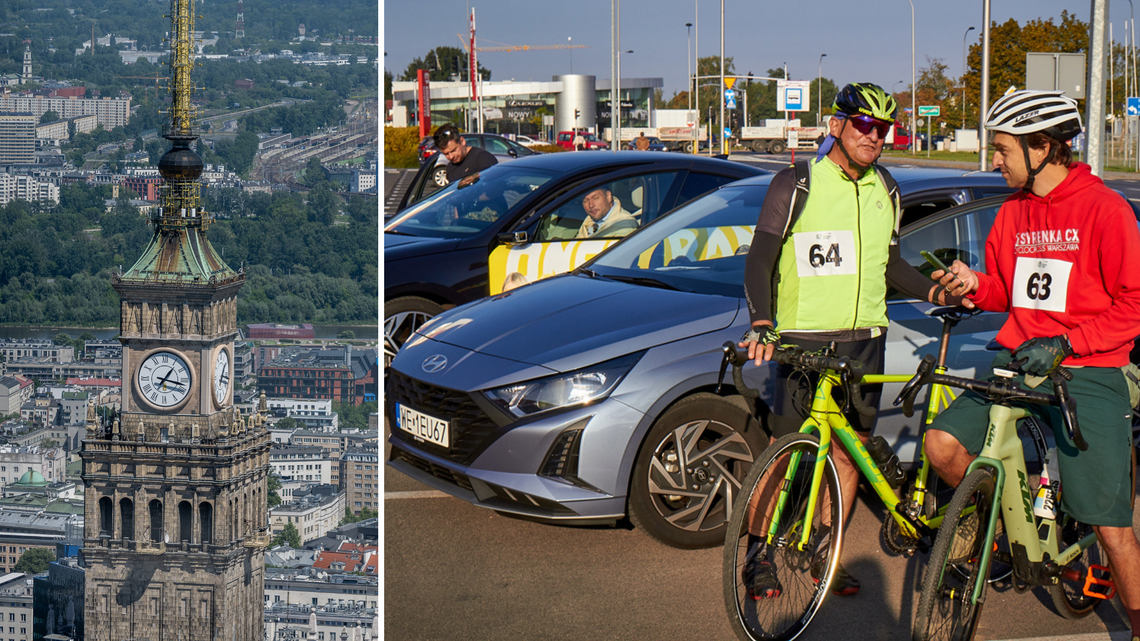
[(933, 260)]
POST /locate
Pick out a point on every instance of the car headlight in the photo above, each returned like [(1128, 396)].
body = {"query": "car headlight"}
[(561, 391)]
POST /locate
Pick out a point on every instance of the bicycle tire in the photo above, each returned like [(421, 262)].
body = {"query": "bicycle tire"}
[(1068, 596), (787, 615), (944, 612)]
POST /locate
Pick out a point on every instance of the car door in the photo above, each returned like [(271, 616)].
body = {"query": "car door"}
[(562, 237), (958, 234)]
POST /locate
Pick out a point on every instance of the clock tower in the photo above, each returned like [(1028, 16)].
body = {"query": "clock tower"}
[(176, 515)]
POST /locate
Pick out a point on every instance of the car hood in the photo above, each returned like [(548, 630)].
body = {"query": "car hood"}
[(397, 246), (568, 322)]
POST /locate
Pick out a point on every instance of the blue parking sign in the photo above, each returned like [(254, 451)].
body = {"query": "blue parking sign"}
[(794, 99)]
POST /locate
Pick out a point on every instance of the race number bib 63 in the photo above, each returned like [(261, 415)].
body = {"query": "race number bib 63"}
[(1041, 283), (825, 253)]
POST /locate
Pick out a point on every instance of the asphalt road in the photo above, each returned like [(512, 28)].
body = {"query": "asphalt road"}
[(453, 571)]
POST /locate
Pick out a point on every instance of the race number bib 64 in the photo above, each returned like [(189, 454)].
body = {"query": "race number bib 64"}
[(825, 253), (1041, 283)]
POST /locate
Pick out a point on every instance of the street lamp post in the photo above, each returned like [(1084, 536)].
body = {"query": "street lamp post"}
[(569, 42), (913, 85), (964, 76), (819, 90), (689, 61), (723, 138)]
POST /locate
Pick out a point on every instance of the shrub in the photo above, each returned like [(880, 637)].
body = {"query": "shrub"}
[(401, 140), (548, 149)]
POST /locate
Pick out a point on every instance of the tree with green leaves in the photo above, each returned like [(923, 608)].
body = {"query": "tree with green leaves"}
[(61, 339), (1007, 57), (273, 484), (289, 535), (49, 116), (364, 515), (322, 205), (34, 561), (443, 63), (347, 334)]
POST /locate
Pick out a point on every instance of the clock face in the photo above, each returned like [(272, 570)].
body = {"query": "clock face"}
[(164, 379), (222, 376)]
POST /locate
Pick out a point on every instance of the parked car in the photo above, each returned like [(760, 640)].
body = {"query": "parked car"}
[(565, 140), (592, 396), (527, 141), (432, 175), (655, 144), (462, 242)]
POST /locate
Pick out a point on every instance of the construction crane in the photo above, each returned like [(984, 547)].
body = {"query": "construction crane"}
[(519, 47)]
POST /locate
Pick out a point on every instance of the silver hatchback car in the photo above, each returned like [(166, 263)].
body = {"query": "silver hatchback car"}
[(592, 396)]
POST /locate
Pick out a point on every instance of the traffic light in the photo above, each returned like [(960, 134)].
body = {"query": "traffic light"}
[(577, 112)]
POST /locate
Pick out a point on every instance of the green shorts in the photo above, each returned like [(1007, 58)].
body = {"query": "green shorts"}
[(1097, 484)]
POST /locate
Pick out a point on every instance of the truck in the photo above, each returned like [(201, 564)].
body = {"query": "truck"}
[(776, 136), (675, 138), (898, 137)]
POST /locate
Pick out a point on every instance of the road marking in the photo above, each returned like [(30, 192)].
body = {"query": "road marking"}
[(423, 494)]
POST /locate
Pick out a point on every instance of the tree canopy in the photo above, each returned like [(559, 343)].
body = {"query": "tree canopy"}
[(34, 561), (444, 62), (288, 534)]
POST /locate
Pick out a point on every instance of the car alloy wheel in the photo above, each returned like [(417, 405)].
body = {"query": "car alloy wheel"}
[(690, 468), (439, 176), (402, 317)]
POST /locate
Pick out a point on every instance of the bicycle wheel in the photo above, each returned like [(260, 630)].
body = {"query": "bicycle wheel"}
[(1068, 594), (944, 610), (772, 591)]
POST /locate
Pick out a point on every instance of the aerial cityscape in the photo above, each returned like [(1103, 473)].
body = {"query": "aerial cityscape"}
[(760, 320), (189, 359)]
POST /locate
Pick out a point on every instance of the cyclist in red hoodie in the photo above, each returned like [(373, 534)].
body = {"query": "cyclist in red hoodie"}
[(1063, 258)]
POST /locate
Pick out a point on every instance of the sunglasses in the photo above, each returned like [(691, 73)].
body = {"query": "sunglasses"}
[(865, 125)]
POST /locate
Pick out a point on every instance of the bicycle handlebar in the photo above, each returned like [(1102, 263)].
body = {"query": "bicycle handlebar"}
[(1001, 390), (849, 369)]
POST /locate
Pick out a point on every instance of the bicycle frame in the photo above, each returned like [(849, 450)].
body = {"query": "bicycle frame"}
[(1003, 451), (827, 417)]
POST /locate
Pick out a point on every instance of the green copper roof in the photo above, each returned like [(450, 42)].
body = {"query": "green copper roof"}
[(182, 256)]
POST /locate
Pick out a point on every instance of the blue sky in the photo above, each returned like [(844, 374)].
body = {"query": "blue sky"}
[(864, 41)]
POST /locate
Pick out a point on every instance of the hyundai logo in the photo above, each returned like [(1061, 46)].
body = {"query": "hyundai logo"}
[(434, 363)]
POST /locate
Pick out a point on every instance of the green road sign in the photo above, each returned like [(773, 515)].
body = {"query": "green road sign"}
[(930, 110)]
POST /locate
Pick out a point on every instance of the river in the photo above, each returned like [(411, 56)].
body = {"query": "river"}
[(321, 331)]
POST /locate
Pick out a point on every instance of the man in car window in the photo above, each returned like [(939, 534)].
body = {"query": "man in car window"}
[(1063, 258), (465, 161), (605, 217), (832, 267)]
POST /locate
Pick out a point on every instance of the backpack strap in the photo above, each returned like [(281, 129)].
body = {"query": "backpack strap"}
[(892, 187), (795, 210), (799, 194)]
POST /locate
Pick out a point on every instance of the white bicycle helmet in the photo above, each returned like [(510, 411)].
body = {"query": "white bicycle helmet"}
[(1020, 113), (1027, 111)]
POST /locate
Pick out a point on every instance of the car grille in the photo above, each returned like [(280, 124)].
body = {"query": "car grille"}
[(438, 471), (471, 428)]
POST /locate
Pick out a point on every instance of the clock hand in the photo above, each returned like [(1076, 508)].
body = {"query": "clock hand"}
[(162, 381)]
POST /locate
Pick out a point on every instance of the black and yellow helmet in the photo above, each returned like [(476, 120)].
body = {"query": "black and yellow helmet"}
[(868, 99)]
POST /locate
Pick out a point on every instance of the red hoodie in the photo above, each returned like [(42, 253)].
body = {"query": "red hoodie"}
[(1067, 263)]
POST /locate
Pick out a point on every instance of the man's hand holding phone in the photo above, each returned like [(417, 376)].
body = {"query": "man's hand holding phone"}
[(958, 280)]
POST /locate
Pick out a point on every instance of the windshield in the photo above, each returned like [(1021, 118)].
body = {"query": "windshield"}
[(461, 210), (699, 247)]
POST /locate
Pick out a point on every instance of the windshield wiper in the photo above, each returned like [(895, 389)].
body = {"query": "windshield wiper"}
[(647, 281), (588, 272)]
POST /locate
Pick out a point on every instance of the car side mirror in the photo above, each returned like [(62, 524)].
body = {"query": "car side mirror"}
[(512, 153), (512, 238)]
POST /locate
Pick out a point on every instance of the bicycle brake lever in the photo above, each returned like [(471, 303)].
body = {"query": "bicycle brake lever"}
[(729, 350)]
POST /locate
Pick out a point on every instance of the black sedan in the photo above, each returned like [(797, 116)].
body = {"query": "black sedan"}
[(526, 220)]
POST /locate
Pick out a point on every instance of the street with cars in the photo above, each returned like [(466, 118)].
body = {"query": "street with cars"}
[(585, 405)]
